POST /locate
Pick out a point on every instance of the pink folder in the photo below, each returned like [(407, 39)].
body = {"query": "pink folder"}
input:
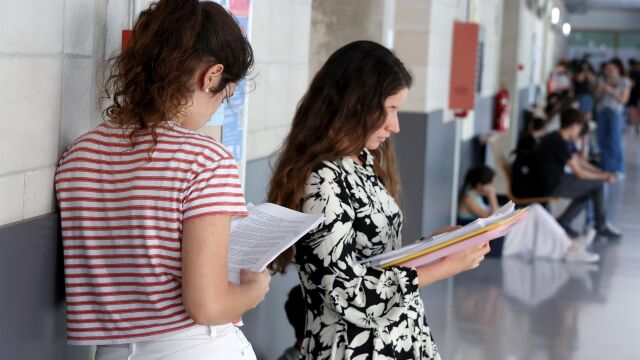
[(476, 240)]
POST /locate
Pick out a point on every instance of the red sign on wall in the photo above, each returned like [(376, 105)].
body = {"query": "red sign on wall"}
[(464, 55)]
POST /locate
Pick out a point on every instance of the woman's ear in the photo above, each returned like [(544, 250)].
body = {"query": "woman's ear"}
[(211, 77)]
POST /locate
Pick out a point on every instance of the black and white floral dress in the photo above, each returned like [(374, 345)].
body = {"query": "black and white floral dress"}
[(355, 311)]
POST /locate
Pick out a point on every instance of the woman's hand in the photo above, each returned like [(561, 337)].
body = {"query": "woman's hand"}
[(466, 259), (463, 260), (256, 283), (610, 89)]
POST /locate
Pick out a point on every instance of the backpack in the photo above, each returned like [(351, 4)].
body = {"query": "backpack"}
[(524, 182)]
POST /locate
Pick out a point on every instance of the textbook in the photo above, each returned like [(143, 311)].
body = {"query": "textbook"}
[(259, 238), (435, 247)]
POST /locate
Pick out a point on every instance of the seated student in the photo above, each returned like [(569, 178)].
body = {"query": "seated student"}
[(538, 235), (295, 310), (582, 183)]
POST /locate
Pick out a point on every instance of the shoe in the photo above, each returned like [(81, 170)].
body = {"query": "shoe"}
[(610, 231), (580, 254), (586, 239)]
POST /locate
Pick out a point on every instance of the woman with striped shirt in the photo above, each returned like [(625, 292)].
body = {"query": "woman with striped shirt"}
[(146, 202)]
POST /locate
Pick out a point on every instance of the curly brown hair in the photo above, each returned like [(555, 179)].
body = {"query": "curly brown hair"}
[(151, 80), (343, 106)]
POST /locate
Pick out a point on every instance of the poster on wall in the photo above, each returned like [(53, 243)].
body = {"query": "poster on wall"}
[(230, 116)]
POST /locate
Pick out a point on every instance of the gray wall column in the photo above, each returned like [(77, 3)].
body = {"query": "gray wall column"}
[(32, 311), (425, 146)]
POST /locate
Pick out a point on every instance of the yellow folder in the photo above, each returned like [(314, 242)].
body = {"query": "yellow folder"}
[(495, 225)]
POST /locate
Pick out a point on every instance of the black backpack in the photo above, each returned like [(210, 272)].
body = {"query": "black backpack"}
[(524, 182)]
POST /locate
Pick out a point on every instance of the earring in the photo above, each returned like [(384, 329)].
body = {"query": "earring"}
[(206, 90)]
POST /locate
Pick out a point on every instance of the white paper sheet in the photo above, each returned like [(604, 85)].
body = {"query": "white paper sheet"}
[(260, 237)]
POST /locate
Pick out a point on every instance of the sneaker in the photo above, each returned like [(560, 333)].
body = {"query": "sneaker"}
[(585, 240), (608, 230), (580, 254)]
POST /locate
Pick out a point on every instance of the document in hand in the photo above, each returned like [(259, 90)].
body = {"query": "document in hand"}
[(436, 247), (259, 238)]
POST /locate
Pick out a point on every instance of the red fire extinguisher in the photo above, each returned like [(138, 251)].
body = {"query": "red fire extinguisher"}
[(501, 113)]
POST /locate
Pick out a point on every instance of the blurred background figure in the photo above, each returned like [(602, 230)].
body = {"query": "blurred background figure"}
[(612, 94), (296, 314)]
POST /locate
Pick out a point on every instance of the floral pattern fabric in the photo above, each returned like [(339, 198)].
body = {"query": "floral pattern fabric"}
[(355, 311)]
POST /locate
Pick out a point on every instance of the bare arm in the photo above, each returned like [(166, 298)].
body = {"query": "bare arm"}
[(622, 97), (586, 174), (207, 294), (493, 199), (587, 165), (469, 204)]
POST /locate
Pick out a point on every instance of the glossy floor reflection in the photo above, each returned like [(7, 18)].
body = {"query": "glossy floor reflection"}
[(515, 309)]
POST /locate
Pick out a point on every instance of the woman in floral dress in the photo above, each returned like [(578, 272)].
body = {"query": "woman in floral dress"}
[(338, 160)]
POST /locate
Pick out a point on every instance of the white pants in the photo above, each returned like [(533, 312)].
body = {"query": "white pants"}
[(199, 342), (539, 235)]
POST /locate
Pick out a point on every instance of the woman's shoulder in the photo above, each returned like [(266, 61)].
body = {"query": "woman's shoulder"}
[(197, 143), (329, 176), (99, 135), (333, 169)]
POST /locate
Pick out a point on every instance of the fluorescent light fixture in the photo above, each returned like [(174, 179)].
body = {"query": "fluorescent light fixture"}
[(566, 29), (555, 15)]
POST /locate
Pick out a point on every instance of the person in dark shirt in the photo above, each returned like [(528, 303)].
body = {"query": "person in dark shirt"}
[(523, 182), (583, 88), (582, 183)]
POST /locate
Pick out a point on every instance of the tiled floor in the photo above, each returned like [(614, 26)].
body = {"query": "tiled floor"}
[(515, 309)]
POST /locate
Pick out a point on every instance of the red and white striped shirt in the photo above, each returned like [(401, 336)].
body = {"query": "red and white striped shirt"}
[(122, 216)]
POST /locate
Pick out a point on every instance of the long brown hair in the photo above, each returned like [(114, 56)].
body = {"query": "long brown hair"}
[(151, 80), (343, 106)]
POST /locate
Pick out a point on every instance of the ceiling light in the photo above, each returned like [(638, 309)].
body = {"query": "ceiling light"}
[(555, 15)]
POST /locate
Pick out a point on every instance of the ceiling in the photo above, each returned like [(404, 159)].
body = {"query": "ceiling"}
[(585, 5)]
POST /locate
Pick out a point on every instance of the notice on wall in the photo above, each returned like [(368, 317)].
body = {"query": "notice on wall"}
[(233, 125), (231, 115)]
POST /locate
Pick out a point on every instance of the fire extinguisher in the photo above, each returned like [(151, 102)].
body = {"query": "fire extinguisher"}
[(501, 113)]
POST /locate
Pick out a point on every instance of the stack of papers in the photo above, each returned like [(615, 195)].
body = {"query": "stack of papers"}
[(259, 238), (256, 240), (436, 247)]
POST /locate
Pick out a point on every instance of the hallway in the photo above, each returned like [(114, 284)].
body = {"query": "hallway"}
[(523, 309)]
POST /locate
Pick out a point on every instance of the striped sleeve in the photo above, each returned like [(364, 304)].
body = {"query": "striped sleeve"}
[(216, 190)]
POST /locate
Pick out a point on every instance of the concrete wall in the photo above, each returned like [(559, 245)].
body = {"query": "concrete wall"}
[(50, 52), (280, 39), (530, 47), (335, 23), (47, 69)]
